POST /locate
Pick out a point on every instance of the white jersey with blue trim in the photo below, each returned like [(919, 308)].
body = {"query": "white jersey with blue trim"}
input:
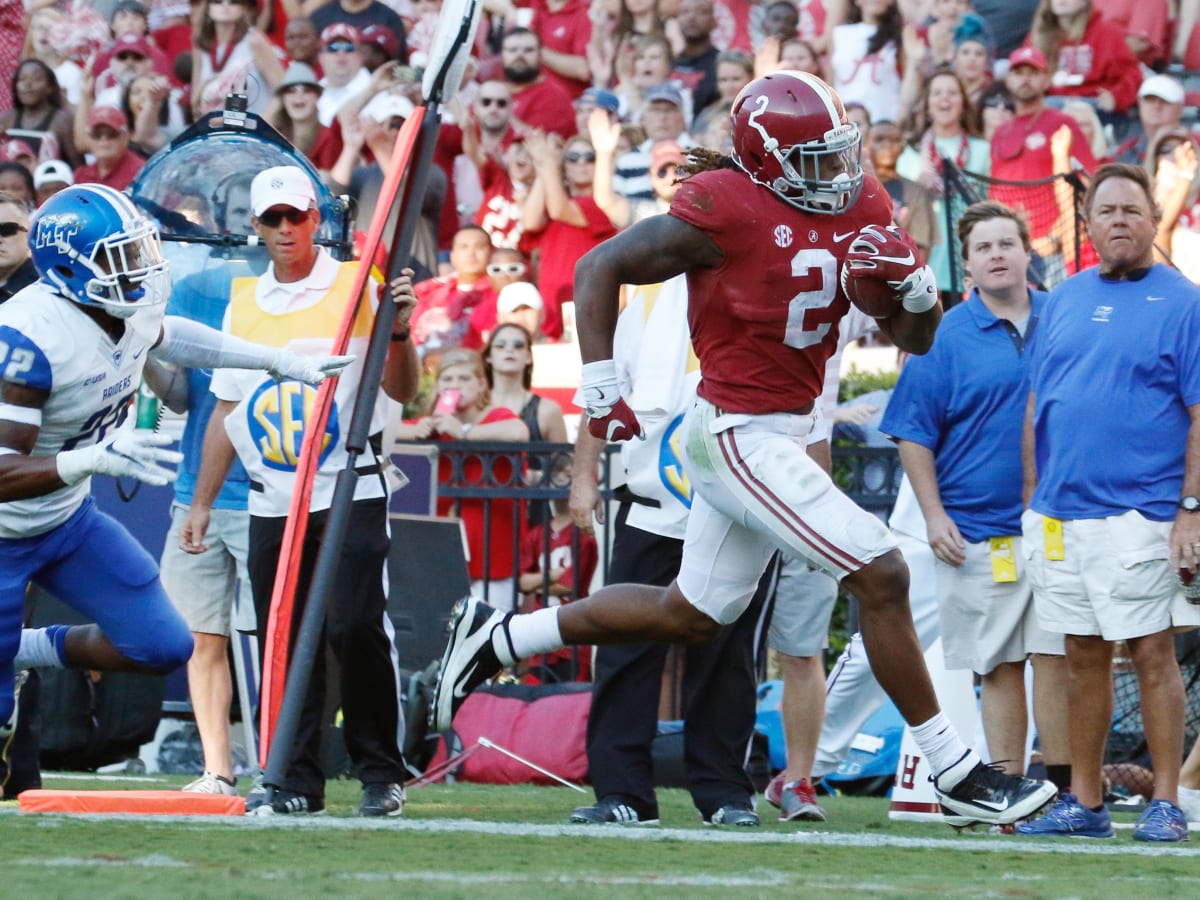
[(49, 343)]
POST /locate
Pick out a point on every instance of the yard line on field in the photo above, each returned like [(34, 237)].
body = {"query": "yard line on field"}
[(763, 878), (982, 843)]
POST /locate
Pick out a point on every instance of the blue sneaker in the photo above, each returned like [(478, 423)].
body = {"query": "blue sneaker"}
[(1069, 818), (1163, 822)]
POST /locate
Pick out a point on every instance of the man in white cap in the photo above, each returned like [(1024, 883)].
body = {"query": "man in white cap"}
[(1160, 106), (299, 302), (51, 177)]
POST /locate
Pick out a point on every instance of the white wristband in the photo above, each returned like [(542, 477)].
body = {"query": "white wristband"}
[(920, 291)]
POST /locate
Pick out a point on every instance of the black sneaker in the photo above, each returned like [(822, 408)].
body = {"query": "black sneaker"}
[(382, 800), (988, 794), (739, 815), (611, 811), (287, 803), (469, 659)]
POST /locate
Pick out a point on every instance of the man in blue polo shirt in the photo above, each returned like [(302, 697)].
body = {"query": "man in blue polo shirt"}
[(957, 414), (1114, 398)]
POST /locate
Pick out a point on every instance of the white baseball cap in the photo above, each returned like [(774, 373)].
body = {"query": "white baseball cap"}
[(1162, 86), (281, 185), (52, 170), (519, 293)]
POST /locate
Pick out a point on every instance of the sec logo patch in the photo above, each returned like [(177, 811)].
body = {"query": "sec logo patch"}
[(277, 415)]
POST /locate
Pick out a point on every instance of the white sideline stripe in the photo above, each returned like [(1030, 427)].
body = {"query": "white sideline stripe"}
[(981, 844)]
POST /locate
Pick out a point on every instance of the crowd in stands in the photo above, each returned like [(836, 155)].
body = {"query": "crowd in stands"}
[(574, 113)]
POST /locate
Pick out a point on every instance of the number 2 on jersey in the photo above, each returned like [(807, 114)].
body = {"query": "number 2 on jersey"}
[(809, 314)]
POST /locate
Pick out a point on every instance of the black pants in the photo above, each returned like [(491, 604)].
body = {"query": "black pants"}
[(357, 631), (719, 692)]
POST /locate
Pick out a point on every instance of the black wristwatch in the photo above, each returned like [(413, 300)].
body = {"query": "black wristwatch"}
[(1190, 503)]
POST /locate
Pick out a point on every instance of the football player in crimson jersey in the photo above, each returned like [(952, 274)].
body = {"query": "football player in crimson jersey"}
[(763, 237)]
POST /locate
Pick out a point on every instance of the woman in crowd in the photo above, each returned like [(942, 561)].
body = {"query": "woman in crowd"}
[(994, 107), (561, 213), (463, 410), (1088, 56), (154, 116), (230, 54), (294, 115), (508, 368), (17, 182), (44, 26), (735, 70), (974, 54), (1172, 160), (649, 64), (38, 111), (942, 132), (866, 59)]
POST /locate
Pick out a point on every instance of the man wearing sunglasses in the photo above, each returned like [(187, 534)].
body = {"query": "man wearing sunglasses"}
[(299, 302), (116, 164), (361, 15), (16, 264), (345, 75)]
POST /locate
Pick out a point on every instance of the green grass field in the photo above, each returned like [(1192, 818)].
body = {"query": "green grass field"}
[(475, 841)]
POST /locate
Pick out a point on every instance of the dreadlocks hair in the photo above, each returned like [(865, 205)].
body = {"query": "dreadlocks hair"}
[(701, 159)]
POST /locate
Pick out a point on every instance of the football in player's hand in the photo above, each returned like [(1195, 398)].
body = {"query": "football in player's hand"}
[(869, 292), (879, 259)]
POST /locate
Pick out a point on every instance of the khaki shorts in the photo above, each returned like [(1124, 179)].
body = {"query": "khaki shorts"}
[(755, 490), (203, 586), (987, 622), (804, 601), (1115, 579)]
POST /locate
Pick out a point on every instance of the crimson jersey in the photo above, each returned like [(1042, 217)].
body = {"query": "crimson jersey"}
[(765, 321)]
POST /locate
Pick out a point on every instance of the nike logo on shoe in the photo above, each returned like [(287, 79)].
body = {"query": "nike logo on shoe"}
[(459, 692), (998, 807)]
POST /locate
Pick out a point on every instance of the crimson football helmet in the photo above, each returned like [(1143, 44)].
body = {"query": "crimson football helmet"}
[(791, 135)]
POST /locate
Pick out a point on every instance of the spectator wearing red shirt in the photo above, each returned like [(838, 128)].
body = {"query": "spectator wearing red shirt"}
[(463, 412), (116, 165), (456, 310), (562, 212), (505, 188), (1146, 26), (565, 28), (1021, 147), (539, 102), (1088, 56)]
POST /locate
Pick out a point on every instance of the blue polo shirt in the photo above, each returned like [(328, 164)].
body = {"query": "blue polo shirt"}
[(965, 401), (1115, 367)]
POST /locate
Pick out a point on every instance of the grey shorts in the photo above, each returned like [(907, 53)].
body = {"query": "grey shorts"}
[(203, 586), (804, 601)]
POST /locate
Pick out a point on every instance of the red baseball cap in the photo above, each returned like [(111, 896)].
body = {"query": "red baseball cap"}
[(107, 115), (1028, 56), (382, 37)]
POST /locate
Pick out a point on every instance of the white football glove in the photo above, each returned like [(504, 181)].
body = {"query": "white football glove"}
[(126, 453), (608, 415), (309, 369), (918, 291)]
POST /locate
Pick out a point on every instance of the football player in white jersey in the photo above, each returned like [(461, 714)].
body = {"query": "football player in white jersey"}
[(72, 348)]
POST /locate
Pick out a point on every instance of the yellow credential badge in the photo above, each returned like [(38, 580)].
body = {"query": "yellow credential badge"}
[(1052, 534), (1004, 561)]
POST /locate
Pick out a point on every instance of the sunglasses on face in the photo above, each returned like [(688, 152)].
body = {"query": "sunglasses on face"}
[(9, 229), (575, 156), (340, 47), (272, 218), (515, 344), (498, 102), (514, 268), (127, 55), (1000, 104), (299, 89), (664, 171), (224, 2), (1167, 149)]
